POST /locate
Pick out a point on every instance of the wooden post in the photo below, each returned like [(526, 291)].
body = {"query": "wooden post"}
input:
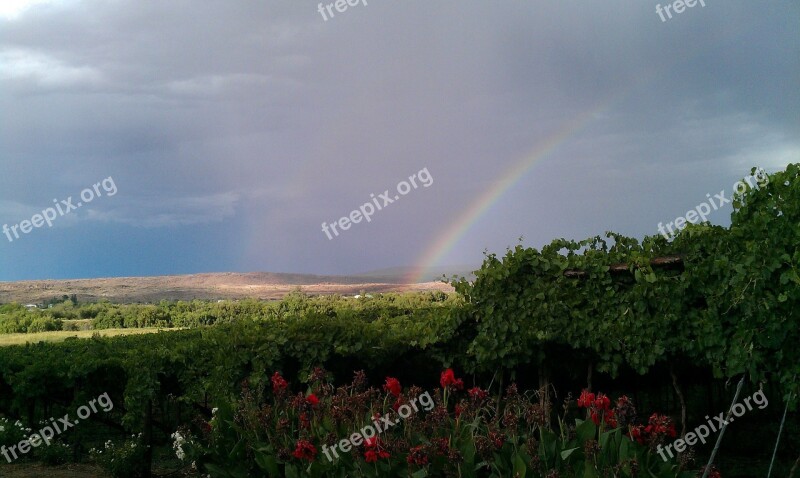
[(147, 439), (680, 398)]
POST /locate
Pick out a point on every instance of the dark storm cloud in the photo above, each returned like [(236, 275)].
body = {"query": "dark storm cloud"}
[(259, 120)]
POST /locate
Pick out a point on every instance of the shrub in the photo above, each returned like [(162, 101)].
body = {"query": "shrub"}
[(12, 433), (54, 454), (121, 460), (44, 324)]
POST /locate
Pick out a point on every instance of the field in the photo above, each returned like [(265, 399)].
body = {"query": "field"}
[(61, 335), (63, 471)]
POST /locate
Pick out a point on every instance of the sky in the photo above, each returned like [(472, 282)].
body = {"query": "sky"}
[(211, 136)]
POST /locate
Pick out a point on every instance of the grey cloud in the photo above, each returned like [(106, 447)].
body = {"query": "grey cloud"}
[(263, 113)]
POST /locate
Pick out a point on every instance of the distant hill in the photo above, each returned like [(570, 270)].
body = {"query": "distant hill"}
[(210, 286), (407, 274)]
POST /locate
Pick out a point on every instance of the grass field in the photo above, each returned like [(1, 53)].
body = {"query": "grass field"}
[(38, 471), (61, 335)]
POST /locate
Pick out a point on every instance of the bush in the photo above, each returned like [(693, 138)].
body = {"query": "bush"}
[(121, 460), (11, 433), (44, 324), (54, 454)]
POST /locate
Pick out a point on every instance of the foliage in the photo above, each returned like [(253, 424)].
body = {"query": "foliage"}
[(120, 460), (56, 453), (12, 432), (454, 432), (731, 307), (23, 321)]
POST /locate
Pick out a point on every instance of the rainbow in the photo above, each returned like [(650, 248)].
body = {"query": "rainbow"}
[(450, 236)]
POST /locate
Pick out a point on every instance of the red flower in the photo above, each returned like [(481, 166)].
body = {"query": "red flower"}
[(714, 473), (497, 439), (278, 383), (602, 402), (639, 434), (595, 417), (658, 425), (393, 386), (448, 379), (458, 410), (417, 456), (305, 450), (477, 394), (661, 425), (610, 418), (304, 421), (313, 400), (374, 450), (586, 399)]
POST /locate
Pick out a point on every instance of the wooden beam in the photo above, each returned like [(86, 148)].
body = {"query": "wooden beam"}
[(666, 262)]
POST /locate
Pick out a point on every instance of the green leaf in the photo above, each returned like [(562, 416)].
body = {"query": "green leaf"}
[(520, 467), (565, 454)]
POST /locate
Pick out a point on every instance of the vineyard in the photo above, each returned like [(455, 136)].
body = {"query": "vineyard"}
[(584, 358)]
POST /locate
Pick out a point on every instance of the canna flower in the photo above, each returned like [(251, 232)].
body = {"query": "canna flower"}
[(477, 394), (595, 417), (417, 456), (638, 433), (448, 379), (374, 450), (278, 383), (610, 418), (393, 386), (304, 450), (602, 402), (586, 399)]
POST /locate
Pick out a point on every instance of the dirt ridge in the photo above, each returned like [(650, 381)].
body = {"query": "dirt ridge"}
[(205, 286)]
